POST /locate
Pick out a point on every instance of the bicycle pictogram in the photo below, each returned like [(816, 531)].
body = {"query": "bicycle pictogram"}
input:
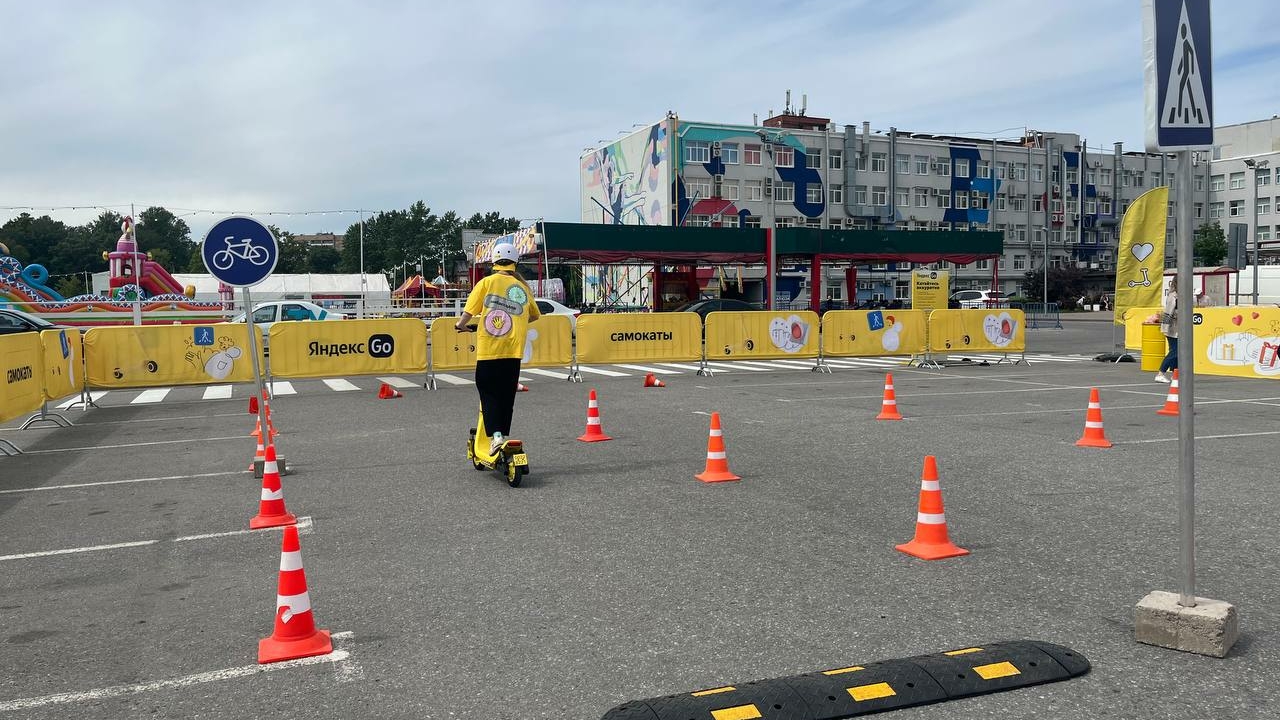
[(242, 249)]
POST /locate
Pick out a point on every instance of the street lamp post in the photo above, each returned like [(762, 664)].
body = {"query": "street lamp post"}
[(1256, 166)]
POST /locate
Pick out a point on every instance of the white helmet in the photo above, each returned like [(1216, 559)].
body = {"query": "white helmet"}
[(504, 252)]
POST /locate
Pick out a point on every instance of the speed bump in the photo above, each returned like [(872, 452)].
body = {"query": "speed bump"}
[(863, 689)]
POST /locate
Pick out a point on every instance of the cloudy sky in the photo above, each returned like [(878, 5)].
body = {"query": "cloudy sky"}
[(487, 105)]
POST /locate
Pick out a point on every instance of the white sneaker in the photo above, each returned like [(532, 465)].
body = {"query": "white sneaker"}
[(1160, 378), (496, 443)]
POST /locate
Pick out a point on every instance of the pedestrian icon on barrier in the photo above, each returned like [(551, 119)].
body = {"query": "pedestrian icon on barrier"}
[(1186, 104), (204, 336)]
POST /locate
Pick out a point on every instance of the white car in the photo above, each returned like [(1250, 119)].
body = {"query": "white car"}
[(551, 307), (971, 299), (266, 314)]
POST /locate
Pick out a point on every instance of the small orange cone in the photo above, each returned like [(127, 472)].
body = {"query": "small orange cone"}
[(1093, 435), (889, 407), (652, 380), (931, 541), (259, 456), (253, 405), (717, 469), (1171, 401), (257, 428), (593, 433), (271, 512), (521, 387), (386, 392), (295, 634)]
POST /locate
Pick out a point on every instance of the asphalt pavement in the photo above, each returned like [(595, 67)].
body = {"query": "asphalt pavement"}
[(129, 585)]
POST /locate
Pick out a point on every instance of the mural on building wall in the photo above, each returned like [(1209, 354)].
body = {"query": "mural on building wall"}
[(799, 174), (989, 185), (628, 182)]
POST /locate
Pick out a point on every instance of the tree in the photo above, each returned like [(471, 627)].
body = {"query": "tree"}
[(1066, 285), (1211, 244), (71, 286), (323, 259), (492, 223), (293, 252), (158, 229)]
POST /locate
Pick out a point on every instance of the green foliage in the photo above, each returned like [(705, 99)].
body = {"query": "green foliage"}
[(323, 259), (1066, 285), (1211, 244), (63, 248), (398, 236), (71, 286)]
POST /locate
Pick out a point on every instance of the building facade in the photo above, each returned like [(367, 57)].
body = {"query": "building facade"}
[(1242, 184)]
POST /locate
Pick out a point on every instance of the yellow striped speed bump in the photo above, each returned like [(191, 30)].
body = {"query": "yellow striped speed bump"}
[(854, 690)]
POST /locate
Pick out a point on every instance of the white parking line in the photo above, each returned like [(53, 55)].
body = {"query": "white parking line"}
[(282, 387), (122, 482), (304, 527), (217, 392), (735, 366), (146, 397), (560, 375), (337, 657), (693, 368), (453, 379), (94, 396), (647, 369), (600, 371), (340, 385), (398, 382), (129, 445)]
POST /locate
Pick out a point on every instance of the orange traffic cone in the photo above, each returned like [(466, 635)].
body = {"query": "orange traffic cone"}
[(271, 512), (931, 541), (386, 392), (652, 380), (259, 456), (593, 432), (521, 387), (889, 407), (1093, 435), (295, 634), (717, 469), (257, 428), (1171, 401)]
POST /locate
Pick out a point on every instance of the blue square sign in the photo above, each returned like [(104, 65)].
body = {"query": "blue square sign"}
[(204, 336), (875, 320), (1178, 65)]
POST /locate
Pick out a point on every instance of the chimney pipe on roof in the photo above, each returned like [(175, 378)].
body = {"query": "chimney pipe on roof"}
[(804, 103), (755, 120), (788, 110)]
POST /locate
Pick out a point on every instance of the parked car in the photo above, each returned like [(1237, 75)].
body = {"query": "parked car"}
[(266, 314), (969, 299), (551, 307), (702, 307), (16, 321)]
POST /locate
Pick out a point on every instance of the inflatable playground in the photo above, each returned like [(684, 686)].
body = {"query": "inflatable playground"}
[(136, 282)]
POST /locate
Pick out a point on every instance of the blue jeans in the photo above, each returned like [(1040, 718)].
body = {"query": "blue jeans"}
[(1171, 359)]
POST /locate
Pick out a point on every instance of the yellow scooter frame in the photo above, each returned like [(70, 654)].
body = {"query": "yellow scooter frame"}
[(510, 461)]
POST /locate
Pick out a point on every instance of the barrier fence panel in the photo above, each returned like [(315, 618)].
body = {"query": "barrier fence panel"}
[(348, 347), (1041, 315), (997, 330), (63, 363), (549, 342), (21, 361), (864, 333), (450, 349), (761, 334), (157, 355), (1241, 341), (639, 337)]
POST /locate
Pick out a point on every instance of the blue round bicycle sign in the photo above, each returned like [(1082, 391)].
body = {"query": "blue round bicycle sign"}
[(240, 251)]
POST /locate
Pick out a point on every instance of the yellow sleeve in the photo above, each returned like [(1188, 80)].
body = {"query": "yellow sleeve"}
[(475, 301), (534, 313)]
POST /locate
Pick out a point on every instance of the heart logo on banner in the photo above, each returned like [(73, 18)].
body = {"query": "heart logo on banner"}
[(1142, 250), (1237, 319), (1255, 315)]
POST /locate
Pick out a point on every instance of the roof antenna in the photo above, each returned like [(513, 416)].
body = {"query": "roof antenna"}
[(804, 103), (788, 110)]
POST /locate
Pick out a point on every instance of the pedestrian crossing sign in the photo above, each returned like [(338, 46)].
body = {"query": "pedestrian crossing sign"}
[(1178, 63)]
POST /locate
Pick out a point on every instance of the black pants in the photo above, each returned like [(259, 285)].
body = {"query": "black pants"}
[(496, 380)]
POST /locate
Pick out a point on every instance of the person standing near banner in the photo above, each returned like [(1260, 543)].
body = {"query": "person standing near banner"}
[(504, 304), (1169, 328)]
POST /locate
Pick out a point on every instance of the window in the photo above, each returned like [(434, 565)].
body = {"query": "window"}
[(729, 221), (785, 222), (1073, 176), (697, 188), (1199, 183), (1055, 174), (879, 195), (836, 193), (902, 197), (962, 167), (1020, 233), (1104, 205), (1236, 208), (922, 164), (902, 164), (1090, 177), (1000, 202), (1169, 209), (265, 314), (859, 194), (835, 159), (729, 190), (1216, 210), (860, 162), (922, 197), (754, 190), (698, 221), (1264, 206), (1020, 171), (1237, 181), (1139, 178), (729, 153), (813, 223), (784, 192), (1037, 203), (697, 151), (984, 264), (751, 154), (1055, 237), (1001, 264), (1217, 183), (1019, 262), (1105, 176), (753, 221), (879, 162), (813, 158), (1018, 203), (813, 193), (1037, 172), (943, 167), (984, 169), (784, 157), (1002, 170), (1091, 206), (1263, 233), (1057, 206), (1198, 210), (1124, 206), (1262, 178), (978, 200), (944, 199)]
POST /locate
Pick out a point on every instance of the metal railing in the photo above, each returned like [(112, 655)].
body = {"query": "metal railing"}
[(1041, 315)]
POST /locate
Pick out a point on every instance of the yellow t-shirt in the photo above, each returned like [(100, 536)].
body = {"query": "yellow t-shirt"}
[(503, 309)]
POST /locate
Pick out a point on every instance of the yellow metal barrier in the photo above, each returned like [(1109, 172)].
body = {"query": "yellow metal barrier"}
[(151, 355), (996, 330), (862, 333), (762, 334), (63, 363), (639, 337), (549, 343), (348, 347), (1241, 341), (22, 384), (450, 349)]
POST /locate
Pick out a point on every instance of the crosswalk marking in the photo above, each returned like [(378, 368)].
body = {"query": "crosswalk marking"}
[(340, 385), (547, 373), (398, 382), (217, 392), (777, 364), (282, 387), (153, 395), (453, 379), (691, 368), (601, 371), (94, 396), (866, 362), (647, 369), (736, 366)]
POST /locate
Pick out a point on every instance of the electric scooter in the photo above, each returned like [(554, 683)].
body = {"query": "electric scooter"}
[(510, 461)]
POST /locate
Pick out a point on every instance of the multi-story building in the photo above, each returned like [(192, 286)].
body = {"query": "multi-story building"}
[(1242, 183), (322, 240), (1057, 200)]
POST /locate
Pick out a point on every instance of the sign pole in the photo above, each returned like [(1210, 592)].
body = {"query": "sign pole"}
[(253, 346), (1186, 386)]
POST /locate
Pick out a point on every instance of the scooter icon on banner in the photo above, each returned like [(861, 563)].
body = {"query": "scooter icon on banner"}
[(1145, 282)]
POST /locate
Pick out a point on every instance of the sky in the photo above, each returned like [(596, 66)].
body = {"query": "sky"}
[(285, 107)]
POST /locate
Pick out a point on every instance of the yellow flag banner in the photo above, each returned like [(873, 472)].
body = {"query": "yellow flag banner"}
[(1140, 256)]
